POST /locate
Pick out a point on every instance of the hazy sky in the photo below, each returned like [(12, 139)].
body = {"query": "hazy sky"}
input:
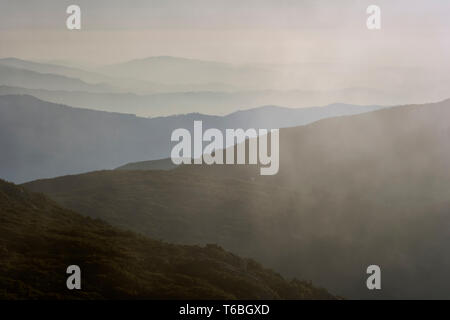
[(414, 33)]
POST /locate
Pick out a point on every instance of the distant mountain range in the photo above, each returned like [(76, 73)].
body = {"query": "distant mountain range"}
[(12, 76), (174, 70), (39, 240), (352, 191), (41, 139), (162, 86), (48, 68), (116, 84), (163, 104)]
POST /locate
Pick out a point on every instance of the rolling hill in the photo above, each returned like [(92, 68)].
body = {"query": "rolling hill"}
[(39, 240), (160, 164), (41, 139), (351, 191)]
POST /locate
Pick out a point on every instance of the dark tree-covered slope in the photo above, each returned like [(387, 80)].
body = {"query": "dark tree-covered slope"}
[(39, 240)]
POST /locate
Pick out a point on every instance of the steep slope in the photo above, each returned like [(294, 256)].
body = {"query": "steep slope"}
[(41, 139), (351, 192), (39, 240)]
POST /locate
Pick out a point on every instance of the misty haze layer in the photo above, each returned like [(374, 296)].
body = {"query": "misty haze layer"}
[(351, 192), (86, 118)]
